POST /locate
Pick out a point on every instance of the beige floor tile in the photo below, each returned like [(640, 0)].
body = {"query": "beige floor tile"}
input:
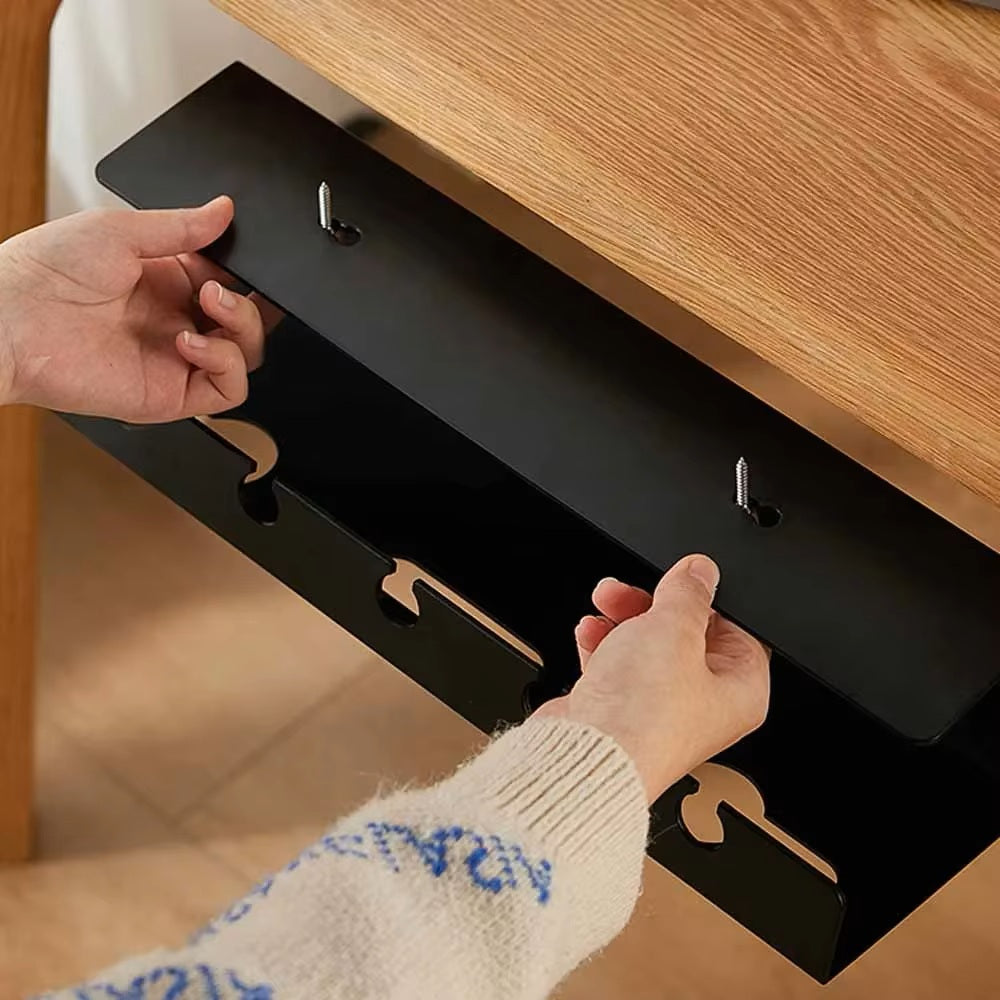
[(164, 651), (382, 732), (251, 722), (680, 946), (110, 879)]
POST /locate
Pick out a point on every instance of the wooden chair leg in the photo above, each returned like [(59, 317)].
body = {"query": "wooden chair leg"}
[(24, 47), (18, 598)]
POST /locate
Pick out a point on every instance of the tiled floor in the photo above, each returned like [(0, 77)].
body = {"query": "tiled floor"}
[(199, 723)]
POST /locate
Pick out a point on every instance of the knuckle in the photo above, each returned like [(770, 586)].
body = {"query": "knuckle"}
[(686, 588), (685, 614), (235, 392), (107, 220), (754, 655), (685, 599), (677, 626)]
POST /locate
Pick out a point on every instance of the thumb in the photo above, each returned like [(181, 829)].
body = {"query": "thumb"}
[(171, 231), (685, 593)]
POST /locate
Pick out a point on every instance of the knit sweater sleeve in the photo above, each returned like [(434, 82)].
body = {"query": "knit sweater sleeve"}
[(494, 883)]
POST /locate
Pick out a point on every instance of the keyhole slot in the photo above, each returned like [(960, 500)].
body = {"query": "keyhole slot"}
[(399, 602), (765, 515), (344, 233), (717, 784), (255, 493)]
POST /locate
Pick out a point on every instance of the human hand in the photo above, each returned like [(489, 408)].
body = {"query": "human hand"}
[(114, 313), (671, 680)]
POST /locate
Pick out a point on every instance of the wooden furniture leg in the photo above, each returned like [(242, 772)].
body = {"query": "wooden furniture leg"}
[(24, 48)]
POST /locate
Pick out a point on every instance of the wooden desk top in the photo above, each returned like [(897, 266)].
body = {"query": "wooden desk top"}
[(818, 179)]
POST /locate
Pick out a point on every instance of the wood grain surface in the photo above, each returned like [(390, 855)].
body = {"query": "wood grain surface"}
[(940, 492), (24, 45), (816, 178)]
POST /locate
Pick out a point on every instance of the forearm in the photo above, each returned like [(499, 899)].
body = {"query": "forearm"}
[(495, 883)]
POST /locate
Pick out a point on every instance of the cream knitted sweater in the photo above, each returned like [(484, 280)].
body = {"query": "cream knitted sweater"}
[(493, 884)]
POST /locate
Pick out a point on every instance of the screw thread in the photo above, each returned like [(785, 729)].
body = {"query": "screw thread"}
[(743, 485), (325, 207)]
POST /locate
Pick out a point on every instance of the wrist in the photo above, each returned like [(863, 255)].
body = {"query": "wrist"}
[(567, 781)]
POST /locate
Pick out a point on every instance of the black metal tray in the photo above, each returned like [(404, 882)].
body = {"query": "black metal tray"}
[(469, 408), (882, 600)]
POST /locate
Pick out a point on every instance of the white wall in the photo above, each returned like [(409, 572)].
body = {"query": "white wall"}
[(116, 64)]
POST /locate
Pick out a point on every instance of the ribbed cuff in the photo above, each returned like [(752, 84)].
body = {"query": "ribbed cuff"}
[(572, 787), (576, 794)]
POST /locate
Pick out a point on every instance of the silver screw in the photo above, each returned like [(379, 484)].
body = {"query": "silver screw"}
[(743, 485), (325, 207)]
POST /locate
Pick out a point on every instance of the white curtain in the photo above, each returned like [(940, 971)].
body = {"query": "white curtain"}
[(116, 64)]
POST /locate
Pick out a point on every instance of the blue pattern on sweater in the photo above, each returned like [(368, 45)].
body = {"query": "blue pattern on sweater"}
[(176, 982), (489, 862)]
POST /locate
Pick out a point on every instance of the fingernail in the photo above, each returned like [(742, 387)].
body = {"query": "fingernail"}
[(705, 571), (226, 298), (195, 340), (607, 579)]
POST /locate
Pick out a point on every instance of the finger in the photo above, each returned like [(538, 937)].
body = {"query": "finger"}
[(735, 657), (589, 634), (238, 318), (219, 381), (166, 232), (200, 269), (619, 601), (685, 593), (731, 650)]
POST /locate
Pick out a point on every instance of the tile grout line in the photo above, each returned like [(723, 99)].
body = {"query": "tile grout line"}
[(96, 761), (278, 736), (179, 822), (175, 821)]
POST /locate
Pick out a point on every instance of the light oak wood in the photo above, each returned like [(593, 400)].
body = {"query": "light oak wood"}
[(18, 600), (935, 489), (24, 45), (817, 178)]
